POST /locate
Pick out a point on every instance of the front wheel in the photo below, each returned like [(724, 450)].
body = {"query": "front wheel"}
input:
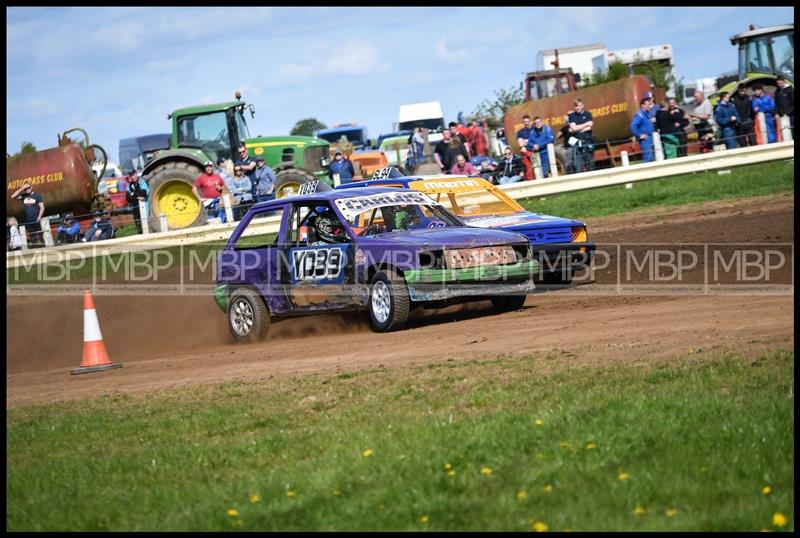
[(389, 303), (507, 303), (248, 317)]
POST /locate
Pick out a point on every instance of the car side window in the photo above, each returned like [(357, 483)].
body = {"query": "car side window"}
[(302, 230), (260, 231)]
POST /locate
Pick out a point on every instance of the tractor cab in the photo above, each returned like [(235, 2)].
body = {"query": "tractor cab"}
[(766, 51), (216, 130), (549, 83)]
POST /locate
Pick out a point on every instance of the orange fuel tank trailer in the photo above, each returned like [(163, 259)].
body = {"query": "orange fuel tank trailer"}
[(62, 175)]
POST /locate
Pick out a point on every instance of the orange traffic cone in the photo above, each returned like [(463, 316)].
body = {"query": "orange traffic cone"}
[(95, 358)]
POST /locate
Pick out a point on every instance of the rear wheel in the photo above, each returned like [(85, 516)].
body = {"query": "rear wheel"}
[(248, 317), (507, 303), (171, 193), (288, 182), (389, 303)]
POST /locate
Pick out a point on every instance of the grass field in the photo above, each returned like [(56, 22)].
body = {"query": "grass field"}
[(535, 443), (742, 182)]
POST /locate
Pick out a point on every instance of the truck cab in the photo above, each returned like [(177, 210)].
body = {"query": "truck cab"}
[(549, 83), (355, 135), (766, 51)]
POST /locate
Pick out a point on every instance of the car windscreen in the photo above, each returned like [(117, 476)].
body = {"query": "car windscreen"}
[(468, 197), (389, 212)]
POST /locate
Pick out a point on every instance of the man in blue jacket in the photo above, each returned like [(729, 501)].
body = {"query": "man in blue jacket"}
[(725, 114), (762, 102), (539, 137), (342, 168), (642, 128)]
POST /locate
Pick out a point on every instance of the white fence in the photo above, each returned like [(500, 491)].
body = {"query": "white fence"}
[(526, 189)]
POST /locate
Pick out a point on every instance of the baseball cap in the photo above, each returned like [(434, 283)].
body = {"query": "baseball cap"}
[(648, 95), (221, 160), (259, 159), (208, 163)]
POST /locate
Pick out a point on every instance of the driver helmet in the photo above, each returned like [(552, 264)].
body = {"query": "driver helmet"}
[(329, 228)]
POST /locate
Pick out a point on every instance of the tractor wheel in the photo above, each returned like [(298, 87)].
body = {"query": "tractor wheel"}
[(289, 181), (171, 194)]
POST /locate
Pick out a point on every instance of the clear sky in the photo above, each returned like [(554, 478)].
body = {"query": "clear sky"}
[(118, 72)]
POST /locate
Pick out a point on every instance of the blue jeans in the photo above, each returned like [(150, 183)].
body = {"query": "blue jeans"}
[(216, 206), (505, 180), (647, 149), (265, 197), (729, 137)]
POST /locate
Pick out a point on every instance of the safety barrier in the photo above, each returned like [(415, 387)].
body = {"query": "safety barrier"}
[(542, 187)]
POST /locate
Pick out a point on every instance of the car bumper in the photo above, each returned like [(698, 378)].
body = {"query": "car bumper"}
[(442, 284), (554, 257)]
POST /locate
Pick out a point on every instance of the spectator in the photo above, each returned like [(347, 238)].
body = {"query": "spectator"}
[(725, 115), (679, 120), (208, 188), (485, 166), (416, 148), (510, 168), (565, 135), (137, 192), (265, 181), (462, 133), (655, 108), (100, 229), (222, 170), (669, 122), (522, 140), (744, 113), (462, 167), (762, 102), (580, 127), (341, 169), (247, 163), (242, 190), (540, 136), (34, 210), (642, 129), (784, 100), (477, 142), (69, 230), (447, 149), (13, 238), (703, 118)]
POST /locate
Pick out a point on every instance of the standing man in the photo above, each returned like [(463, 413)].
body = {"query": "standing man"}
[(784, 100), (703, 117), (208, 188), (34, 210), (248, 165), (341, 168), (580, 127), (522, 139), (540, 136), (447, 149), (265, 181), (136, 192), (762, 102), (642, 128), (671, 122), (744, 113), (726, 119)]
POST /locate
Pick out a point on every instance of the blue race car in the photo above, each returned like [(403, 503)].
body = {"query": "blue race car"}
[(560, 245), (381, 250)]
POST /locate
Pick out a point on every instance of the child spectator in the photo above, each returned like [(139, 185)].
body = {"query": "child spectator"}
[(13, 238), (69, 230)]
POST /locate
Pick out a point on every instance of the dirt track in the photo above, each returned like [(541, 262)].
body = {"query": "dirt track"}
[(173, 341)]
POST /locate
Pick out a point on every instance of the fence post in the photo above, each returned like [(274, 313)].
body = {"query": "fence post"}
[(537, 165), (143, 217), (23, 235), (657, 146), (786, 128), (162, 219), (762, 127), (551, 154), (47, 233), (625, 163), (226, 200)]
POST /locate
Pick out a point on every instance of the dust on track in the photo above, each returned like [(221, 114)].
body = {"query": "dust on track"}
[(167, 342)]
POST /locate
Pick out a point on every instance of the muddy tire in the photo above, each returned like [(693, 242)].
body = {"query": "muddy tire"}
[(507, 303), (288, 182), (248, 316), (389, 303), (171, 193)]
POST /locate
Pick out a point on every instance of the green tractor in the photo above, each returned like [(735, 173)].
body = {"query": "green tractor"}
[(208, 132), (764, 53)]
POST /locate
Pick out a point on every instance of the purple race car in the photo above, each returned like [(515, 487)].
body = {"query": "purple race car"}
[(384, 250)]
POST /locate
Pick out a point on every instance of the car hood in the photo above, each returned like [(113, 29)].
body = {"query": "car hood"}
[(452, 237), (521, 221)]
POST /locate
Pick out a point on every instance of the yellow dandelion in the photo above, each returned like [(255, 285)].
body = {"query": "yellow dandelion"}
[(539, 526), (291, 493), (539, 422), (766, 490), (539, 456), (448, 466), (486, 471), (402, 457), (778, 519), (423, 519), (639, 510), (233, 512), (671, 512), (623, 476), (255, 497), (522, 495), (565, 445), (367, 453), (336, 493), (548, 488), (451, 472), (590, 446)]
